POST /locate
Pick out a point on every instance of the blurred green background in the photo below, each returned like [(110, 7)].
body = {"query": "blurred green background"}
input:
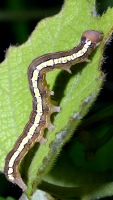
[(18, 19)]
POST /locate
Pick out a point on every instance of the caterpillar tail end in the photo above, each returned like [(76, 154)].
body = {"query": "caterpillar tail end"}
[(14, 178), (18, 181)]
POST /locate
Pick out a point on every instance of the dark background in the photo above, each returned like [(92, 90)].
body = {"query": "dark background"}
[(18, 19)]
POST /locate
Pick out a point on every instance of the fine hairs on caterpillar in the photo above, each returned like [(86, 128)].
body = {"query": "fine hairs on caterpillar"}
[(42, 105)]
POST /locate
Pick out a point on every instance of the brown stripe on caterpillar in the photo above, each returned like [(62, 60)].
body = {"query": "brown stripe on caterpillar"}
[(42, 105)]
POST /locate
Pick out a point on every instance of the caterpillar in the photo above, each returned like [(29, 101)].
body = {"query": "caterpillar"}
[(42, 105)]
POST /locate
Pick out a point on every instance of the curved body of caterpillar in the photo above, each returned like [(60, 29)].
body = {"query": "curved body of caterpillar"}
[(42, 106)]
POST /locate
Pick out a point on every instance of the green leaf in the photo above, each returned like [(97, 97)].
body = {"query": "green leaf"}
[(75, 93), (68, 179)]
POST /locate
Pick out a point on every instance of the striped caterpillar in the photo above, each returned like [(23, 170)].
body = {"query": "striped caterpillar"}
[(42, 105)]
